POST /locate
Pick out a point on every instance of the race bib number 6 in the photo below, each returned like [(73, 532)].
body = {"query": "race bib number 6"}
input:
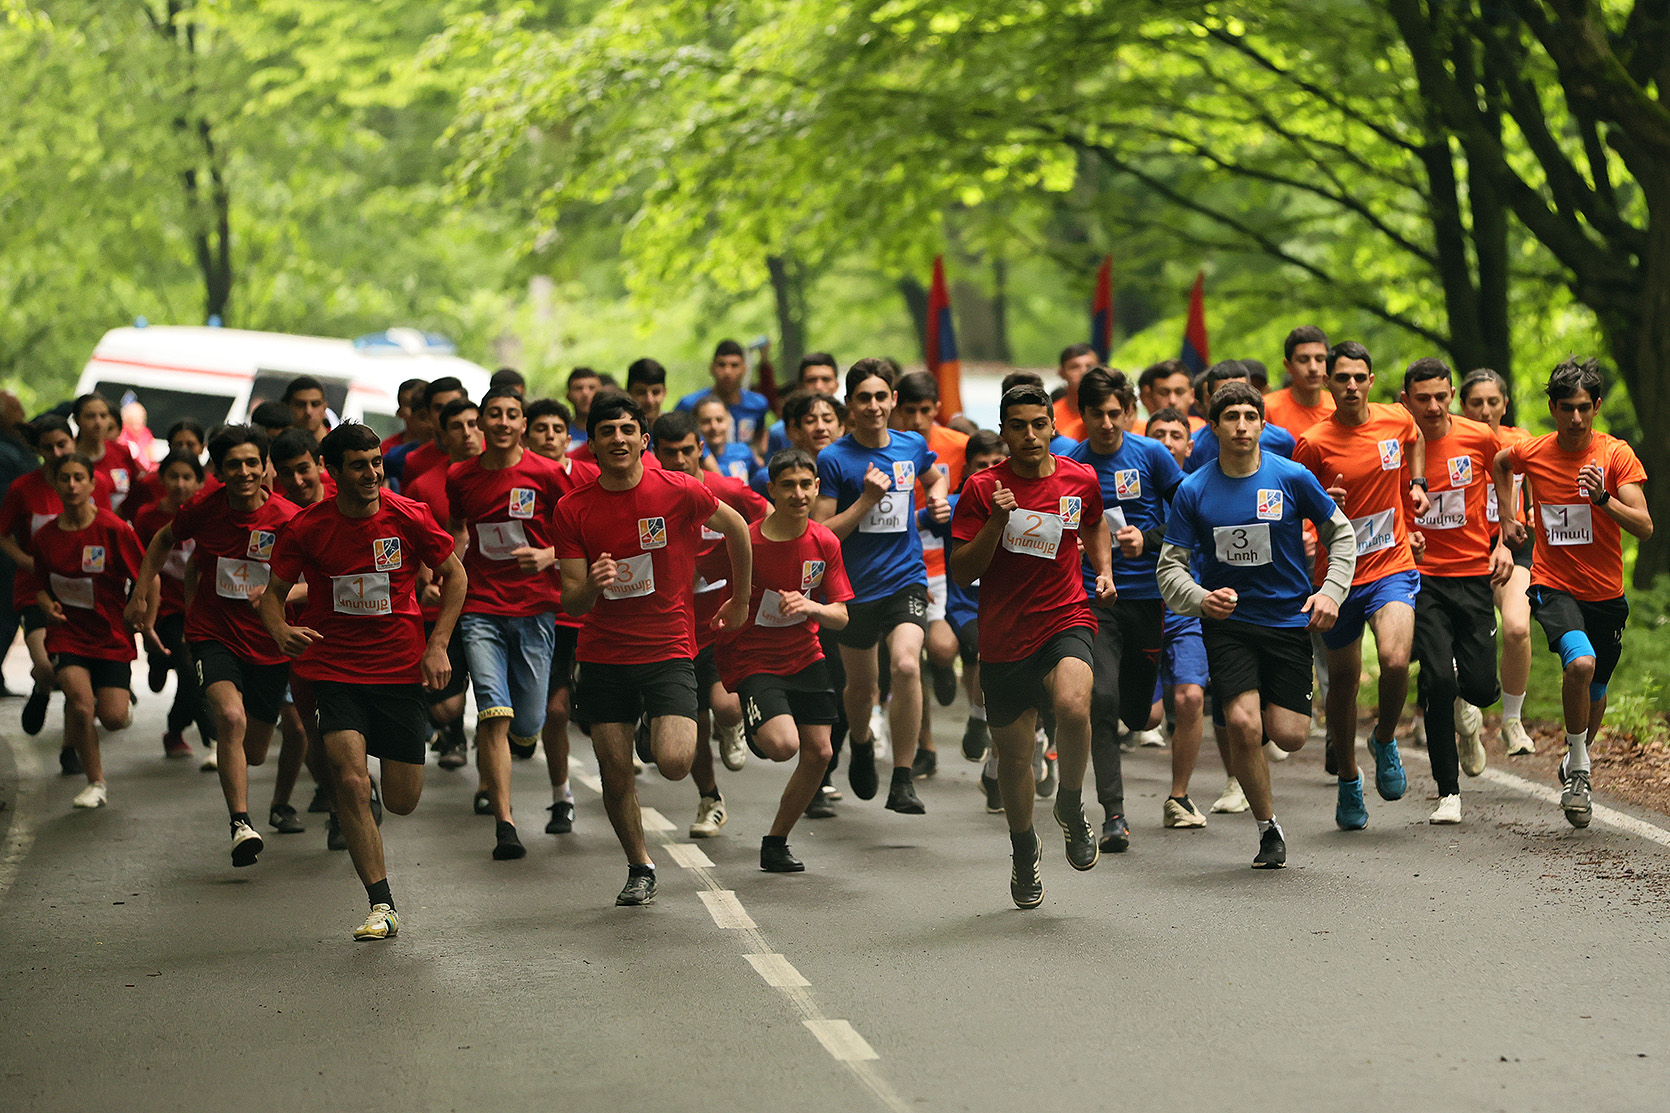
[(1033, 533), (887, 516)]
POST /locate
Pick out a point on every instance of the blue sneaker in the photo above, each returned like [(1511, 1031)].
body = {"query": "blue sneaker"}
[(1389, 779), (1351, 813)]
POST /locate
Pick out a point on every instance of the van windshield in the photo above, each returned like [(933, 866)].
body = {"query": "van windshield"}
[(164, 407), (269, 387)]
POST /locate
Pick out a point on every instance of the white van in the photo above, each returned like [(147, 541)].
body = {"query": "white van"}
[(218, 375)]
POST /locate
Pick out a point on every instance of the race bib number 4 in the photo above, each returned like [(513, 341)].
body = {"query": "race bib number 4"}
[(1448, 511), (500, 540), (1375, 531), (634, 577), (1033, 533), (771, 611), (240, 579), (363, 593), (72, 591), (890, 515), (1568, 524), (1242, 546)]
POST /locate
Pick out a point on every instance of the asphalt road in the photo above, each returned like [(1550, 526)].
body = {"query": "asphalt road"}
[(1510, 963)]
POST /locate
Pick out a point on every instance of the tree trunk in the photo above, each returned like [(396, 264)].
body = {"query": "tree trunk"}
[(1642, 349), (788, 288), (916, 304)]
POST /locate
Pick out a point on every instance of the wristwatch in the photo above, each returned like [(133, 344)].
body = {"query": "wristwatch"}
[(1601, 499), (1420, 481)]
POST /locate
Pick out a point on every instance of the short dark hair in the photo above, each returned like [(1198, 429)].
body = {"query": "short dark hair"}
[(1482, 375), (451, 410), (272, 415), (1257, 373), (1016, 378), (1074, 351), (187, 458), (1304, 334), (802, 402), (1222, 372), (1349, 349), (407, 388), (728, 348), (647, 371), (448, 384), (56, 464), (508, 376), (870, 367), (1572, 375), (186, 425), (1099, 384), (610, 407), (791, 459), (1169, 414), (94, 396), (1427, 367), (300, 383), (918, 386), (228, 437), (292, 443), (1024, 395), (550, 407), (980, 443), (1164, 369), (675, 425), (495, 393), (579, 373), (46, 423), (1236, 394), (817, 359), (350, 436)]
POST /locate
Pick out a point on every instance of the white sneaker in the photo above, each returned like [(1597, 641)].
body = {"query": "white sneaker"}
[(733, 751), (1233, 801), (1469, 730), (1273, 752), (94, 795), (710, 816), (1148, 738), (383, 923), (1417, 735), (881, 734), (1515, 738), (1447, 812), (209, 763), (246, 844), (1181, 813)]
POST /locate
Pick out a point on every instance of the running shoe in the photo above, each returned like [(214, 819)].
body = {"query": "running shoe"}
[(1232, 801), (830, 790), (861, 771), (640, 889), (321, 802), (1564, 770), (994, 794), (34, 711), (455, 752), (508, 847), (977, 739), (523, 749), (1116, 835), (246, 844), (945, 683), (376, 803), (1026, 879), (1082, 851), (641, 741), (174, 744), (778, 858), (1180, 812), (1390, 781), (1576, 800), (383, 923), (210, 761), (1516, 739), (95, 795), (482, 802), (1448, 811), (562, 818), (1272, 850), (156, 673), (1044, 770), (69, 762), (820, 807), (1274, 753), (1350, 812), (902, 798), (283, 819), (710, 816), (1469, 737), (731, 749), (925, 764), (334, 838), (1151, 738)]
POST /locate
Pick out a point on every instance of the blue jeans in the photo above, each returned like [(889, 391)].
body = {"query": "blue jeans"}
[(510, 667)]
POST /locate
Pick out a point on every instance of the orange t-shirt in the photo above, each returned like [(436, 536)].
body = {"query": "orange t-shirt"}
[(1281, 408), (1458, 535), (1578, 544), (1506, 436), (952, 449), (1068, 421), (1373, 458)]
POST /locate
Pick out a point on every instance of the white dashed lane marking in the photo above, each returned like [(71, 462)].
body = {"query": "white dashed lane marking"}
[(725, 909), (777, 971), (655, 821), (841, 1040), (688, 856)]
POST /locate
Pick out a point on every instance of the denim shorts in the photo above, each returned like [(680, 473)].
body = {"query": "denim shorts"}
[(510, 667)]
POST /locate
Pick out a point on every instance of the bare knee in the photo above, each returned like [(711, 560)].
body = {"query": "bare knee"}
[(1581, 670), (78, 708), (906, 668), (1189, 700), (354, 784)]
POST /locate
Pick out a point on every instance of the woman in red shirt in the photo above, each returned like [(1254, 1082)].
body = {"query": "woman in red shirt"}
[(181, 475), (95, 433)]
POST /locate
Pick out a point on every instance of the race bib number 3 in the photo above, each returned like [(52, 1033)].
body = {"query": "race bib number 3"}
[(1033, 533), (771, 611), (364, 593), (72, 591), (1242, 546), (240, 579), (500, 540), (1568, 524), (1448, 511), (1375, 531), (890, 515), (634, 577)]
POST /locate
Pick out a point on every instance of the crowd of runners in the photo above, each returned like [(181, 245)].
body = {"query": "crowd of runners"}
[(676, 581)]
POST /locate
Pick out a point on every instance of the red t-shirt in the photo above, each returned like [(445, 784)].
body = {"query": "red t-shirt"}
[(147, 489), (119, 467), (713, 562), (1374, 459), (88, 571), (233, 557), (1281, 408), (582, 452), (1579, 547), (1036, 587), (653, 531), (362, 587), (1458, 537), (150, 519), (573, 474), (421, 459), (772, 642), (503, 510), (30, 503)]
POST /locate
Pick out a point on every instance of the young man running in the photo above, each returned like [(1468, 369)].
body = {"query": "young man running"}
[(774, 661), (411, 461), (309, 411), (360, 642), (646, 382), (1240, 521), (1074, 361), (582, 386), (1022, 523), (1455, 622), (627, 545), (1371, 459), (748, 409), (818, 375), (1585, 490), (1305, 400), (1274, 439), (866, 482)]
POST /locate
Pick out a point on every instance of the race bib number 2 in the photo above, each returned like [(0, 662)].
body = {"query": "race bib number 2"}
[(1033, 533)]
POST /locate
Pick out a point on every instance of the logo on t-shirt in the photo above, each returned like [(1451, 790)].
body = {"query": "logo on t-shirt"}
[(1127, 484), (652, 533), (1269, 505), (120, 480), (1461, 471), (1071, 508), (92, 558), (1391, 455), (811, 574), (261, 544), (385, 552), (904, 475), (521, 502)]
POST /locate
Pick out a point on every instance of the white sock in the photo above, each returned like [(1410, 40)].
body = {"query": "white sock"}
[(562, 794), (977, 714), (991, 763), (1512, 705), (1265, 824), (1577, 752)]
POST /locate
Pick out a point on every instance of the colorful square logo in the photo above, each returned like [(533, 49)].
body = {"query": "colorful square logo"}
[(92, 558), (521, 502), (385, 553), (811, 574), (1269, 505), (1072, 508), (1461, 471), (1391, 455), (652, 533), (261, 544), (1127, 484), (904, 475)]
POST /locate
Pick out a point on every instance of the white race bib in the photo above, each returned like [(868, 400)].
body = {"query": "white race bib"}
[(73, 591), (362, 593), (179, 557), (1033, 533), (36, 521), (500, 540), (703, 587), (1375, 532), (1568, 524), (709, 534), (240, 579), (771, 611), (634, 577), (1114, 516), (1242, 546), (1448, 511), (1492, 509), (890, 515)]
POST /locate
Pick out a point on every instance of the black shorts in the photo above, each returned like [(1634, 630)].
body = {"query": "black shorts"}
[(562, 660), (808, 696), (1274, 661), (707, 675), (460, 681), (606, 693), (32, 617), (1522, 555), (868, 623), (392, 718), (1602, 623), (105, 674), (1012, 688), (263, 687), (968, 642), (1130, 634)]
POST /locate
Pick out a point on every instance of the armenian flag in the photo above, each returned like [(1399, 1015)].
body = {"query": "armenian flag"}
[(941, 346), (1194, 355), (1101, 311)]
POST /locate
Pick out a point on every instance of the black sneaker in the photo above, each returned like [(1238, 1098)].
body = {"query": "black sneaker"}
[(977, 739), (334, 838), (283, 820), (34, 711), (994, 794), (1082, 852), (1026, 881), (320, 803), (562, 818), (945, 684), (156, 673), (69, 762), (522, 750), (1330, 762), (778, 858), (820, 808), (861, 771), (455, 749), (376, 804), (925, 764), (1116, 835), (509, 847), (902, 798), (1272, 850), (482, 803), (641, 740), (640, 889)]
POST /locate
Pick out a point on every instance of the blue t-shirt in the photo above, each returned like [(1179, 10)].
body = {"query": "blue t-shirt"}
[(735, 460), (1137, 481), (748, 415), (776, 439), (883, 553), (962, 604), (760, 480), (1060, 445), (1248, 534), (1205, 447)]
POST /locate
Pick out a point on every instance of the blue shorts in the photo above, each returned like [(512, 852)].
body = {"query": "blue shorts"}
[(1183, 656), (510, 667), (1364, 600)]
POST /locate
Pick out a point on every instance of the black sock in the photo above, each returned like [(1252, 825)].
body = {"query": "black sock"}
[(774, 840), (1024, 842), (241, 817), (504, 830), (1069, 801), (901, 776), (378, 893), (633, 870)]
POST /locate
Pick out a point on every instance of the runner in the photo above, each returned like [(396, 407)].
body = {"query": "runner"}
[(1455, 625), (184, 436), (773, 661), (242, 671), (1165, 385), (583, 384), (1239, 520), (1074, 361), (182, 477), (1274, 438), (413, 414), (413, 460), (748, 409), (813, 420), (719, 453), (1484, 397), (1577, 575), (84, 561), (95, 438), (309, 411), (618, 538), (864, 481), (646, 382), (1021, 522), (1371, 459), (818, 375), (360, 642), (1305, 400), (1137, 477)]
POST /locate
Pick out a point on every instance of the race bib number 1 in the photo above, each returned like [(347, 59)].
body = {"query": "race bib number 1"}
[(1033, 533), (1242, 546), (1448, 511), (1375, 532), (364, 593), (500, 540), (1568, 524)]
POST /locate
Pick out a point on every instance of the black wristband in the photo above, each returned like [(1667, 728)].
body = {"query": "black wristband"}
[(1420, 481), (1601, 499)]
